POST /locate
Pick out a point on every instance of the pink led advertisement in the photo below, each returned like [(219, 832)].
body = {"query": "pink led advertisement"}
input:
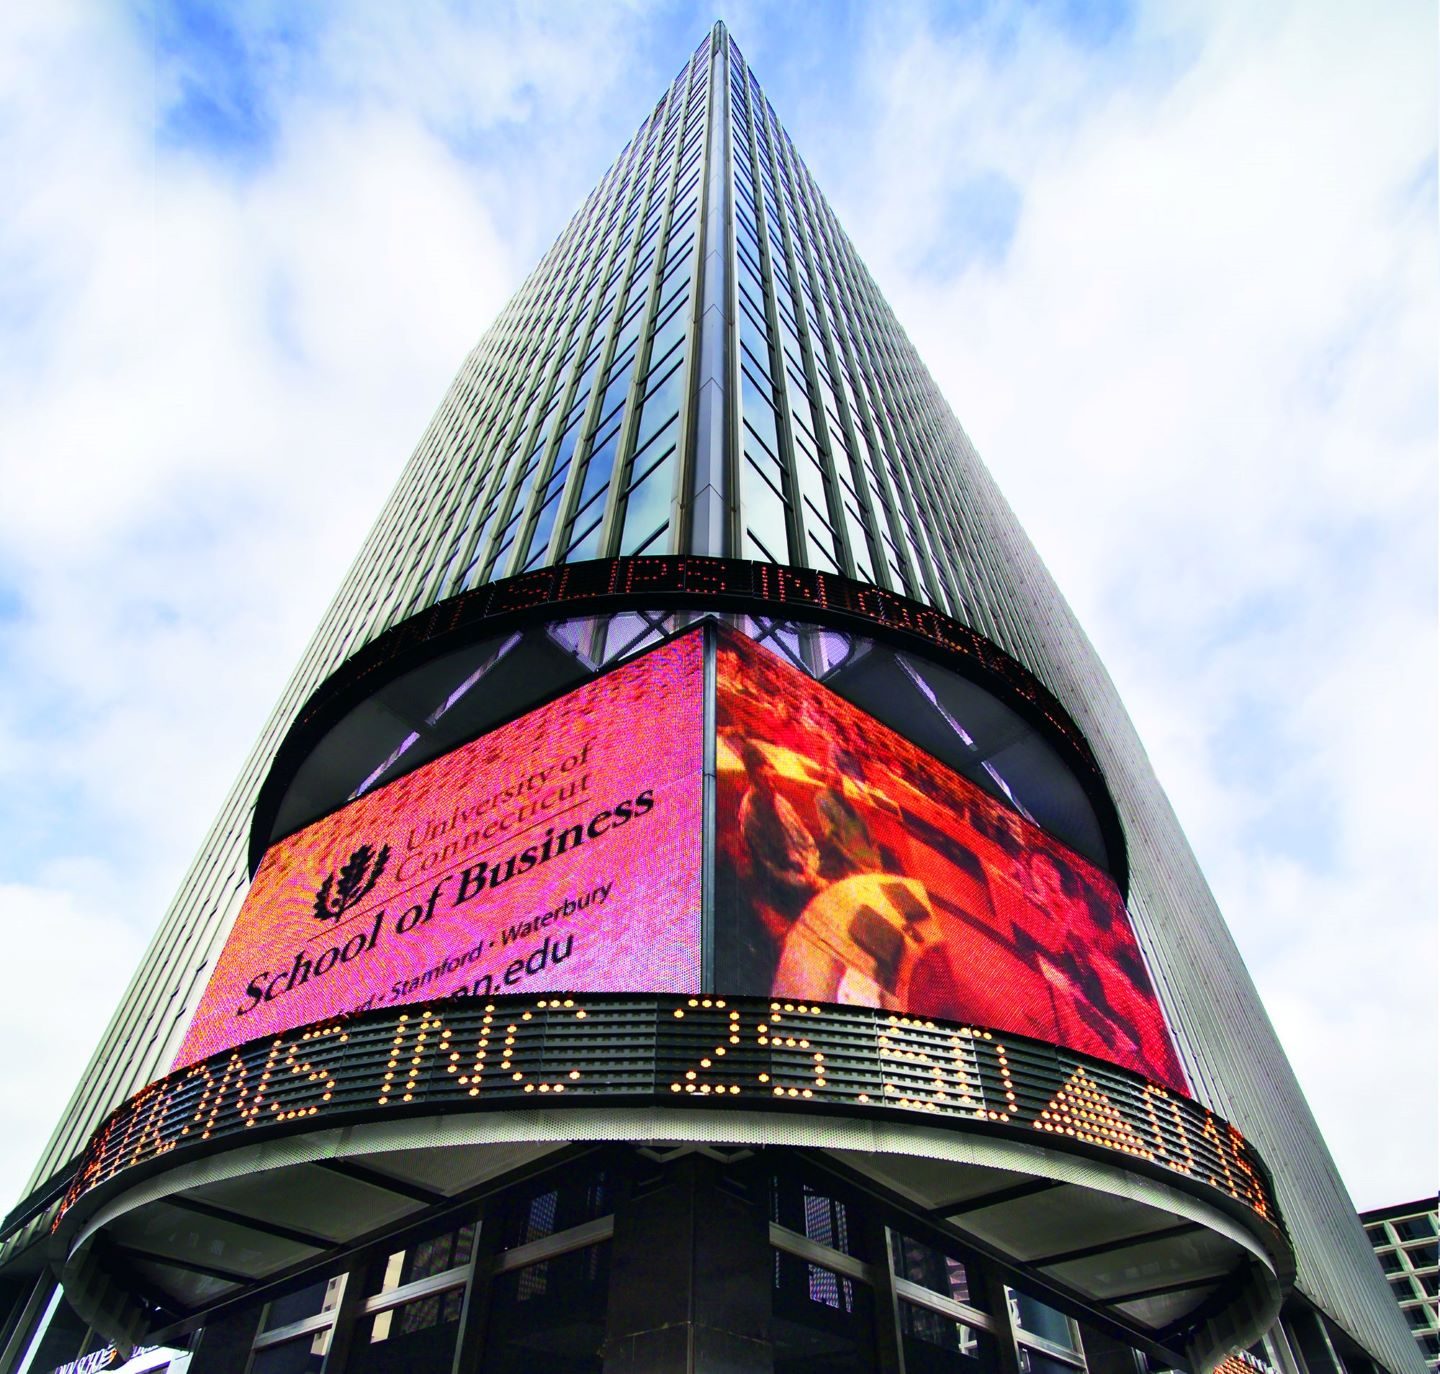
[(552, 854), (851, 866)]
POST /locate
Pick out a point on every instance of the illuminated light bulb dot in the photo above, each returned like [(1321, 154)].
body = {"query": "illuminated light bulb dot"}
[(486, 1020), (704, 1063), (529, 1087), (693, 1002), (864, 1097), (704, 1088), (464, 1079), (805, 1092), (569, 1002), (819, 1082), (720, 1002), (779, 1091), (689, 1087), (542, 1004), (763, 1027), (790, 1041), (734, 1039), (388, 1075), (719, 1049), (382, 1100), (516, 1076), (581, 1014), (544, 1087), (820, 1059), (574, 1073), (689, 1073), (679, 1013), (763, 1040), (474, 1092), (559, 1087), (764, 1077), (324, 1097), (793, 1092)]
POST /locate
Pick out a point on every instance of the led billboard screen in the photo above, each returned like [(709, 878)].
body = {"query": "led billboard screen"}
[(853, 867), (551, 854)]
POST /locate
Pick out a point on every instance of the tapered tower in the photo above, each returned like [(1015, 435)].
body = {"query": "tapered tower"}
[(699, 903)]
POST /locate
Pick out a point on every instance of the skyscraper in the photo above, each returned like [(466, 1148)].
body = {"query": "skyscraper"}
[(699, 901), (1404, 1237)]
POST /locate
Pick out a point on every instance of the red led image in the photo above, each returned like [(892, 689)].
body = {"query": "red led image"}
[(552, 854), (853, 867)]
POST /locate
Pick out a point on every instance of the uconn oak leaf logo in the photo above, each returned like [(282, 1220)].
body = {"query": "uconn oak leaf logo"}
[(341, 891)]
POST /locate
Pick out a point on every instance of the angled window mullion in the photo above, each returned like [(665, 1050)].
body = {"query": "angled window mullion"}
[(664, 174), (800, 257), (645, 385), (518, 551), (777, 408)]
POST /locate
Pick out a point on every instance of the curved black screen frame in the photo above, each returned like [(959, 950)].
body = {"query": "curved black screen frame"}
[(689, 582)]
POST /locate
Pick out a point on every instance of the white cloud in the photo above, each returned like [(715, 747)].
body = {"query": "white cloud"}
[(71, 948)]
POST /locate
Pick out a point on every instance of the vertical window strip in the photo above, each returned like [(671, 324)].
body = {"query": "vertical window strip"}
[(869, 478), (592, 479), (819, 474), (767, 503), (862, 378), (638, 511), (540, 505)]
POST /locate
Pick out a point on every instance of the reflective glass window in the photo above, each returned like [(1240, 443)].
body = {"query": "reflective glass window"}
[(822, 1322), (302, 1355), (321, 1296), (550, 1316), (932, 1269), (415, 1337), (1033, 1316), (935, 1343)]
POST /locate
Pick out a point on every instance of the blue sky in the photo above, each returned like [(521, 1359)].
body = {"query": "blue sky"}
[(1174, 265)]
